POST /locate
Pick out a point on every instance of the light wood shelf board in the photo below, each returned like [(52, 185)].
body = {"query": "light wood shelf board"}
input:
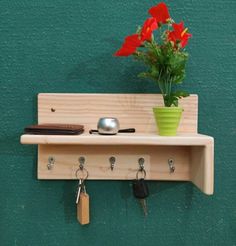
[(126, 165), (132, 110), (119, 139)]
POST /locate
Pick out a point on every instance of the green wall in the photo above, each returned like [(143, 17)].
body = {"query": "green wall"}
[(67, 46)]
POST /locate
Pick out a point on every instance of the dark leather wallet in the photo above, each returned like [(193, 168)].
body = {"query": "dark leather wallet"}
[(54, 129)]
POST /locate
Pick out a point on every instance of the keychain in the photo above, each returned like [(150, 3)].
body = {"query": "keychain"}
[(140, 187), (82, 198)]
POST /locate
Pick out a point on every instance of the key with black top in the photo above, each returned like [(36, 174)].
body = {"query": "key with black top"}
[(141, 192)]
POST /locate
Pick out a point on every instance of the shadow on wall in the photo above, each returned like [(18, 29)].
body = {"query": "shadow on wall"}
[(68, 200), (158, 192)]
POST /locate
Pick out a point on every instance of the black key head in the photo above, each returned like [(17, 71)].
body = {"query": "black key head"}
[(140, 189)]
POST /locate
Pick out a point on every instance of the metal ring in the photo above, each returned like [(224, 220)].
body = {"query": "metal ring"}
[(82, 171), (141, 171)]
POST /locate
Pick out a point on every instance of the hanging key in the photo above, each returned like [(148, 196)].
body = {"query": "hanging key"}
[(78, 191), (141, 192), (82, 199)]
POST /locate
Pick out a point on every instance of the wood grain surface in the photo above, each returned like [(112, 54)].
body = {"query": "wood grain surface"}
[(191, 152), (132, 110)]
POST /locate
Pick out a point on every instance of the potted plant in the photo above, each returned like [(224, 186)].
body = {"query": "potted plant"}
[(166, 59)]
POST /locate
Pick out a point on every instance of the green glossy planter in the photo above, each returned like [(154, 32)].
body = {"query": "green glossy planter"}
[(167, 119)]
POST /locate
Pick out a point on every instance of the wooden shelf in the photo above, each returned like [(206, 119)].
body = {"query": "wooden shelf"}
[(119, 139), (192, 153)]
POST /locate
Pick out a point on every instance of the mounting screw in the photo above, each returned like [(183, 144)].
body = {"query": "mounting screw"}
[(53, 110)]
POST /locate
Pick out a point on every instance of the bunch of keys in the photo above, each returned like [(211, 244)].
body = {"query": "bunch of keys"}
[(82, 200), (140, 189)]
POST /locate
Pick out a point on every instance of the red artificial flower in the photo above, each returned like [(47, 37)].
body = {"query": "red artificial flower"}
[(160, 13), (179, 35), (148, 27), (130, 45)]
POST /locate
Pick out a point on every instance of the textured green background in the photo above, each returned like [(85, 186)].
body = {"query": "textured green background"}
[(67, 46)]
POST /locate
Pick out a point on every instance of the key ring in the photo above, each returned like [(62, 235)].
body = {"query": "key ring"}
[(83, 171), (141, 170)]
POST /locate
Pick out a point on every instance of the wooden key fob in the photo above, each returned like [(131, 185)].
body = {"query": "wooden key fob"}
[(83, 209)]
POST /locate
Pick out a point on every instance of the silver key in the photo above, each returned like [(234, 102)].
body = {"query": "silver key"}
[(79, 190), (143, 204)]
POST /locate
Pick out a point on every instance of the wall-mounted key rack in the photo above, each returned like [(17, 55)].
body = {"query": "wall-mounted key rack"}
[(185, 157)]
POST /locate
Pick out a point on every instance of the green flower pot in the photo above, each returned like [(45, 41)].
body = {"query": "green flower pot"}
[(167, 119)]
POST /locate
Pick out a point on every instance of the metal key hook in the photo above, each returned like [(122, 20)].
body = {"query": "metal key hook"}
[(171, 164), (81, 162), (51, 161), (141, 163), (141, 168), (112, 161)]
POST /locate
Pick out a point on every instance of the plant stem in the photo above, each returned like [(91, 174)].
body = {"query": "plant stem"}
[(159, 83), (170, 84), (153, 46)]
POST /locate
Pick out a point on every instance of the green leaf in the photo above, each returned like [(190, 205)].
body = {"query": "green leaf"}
[(166, 66), (173, 98), (176, 102), (180, 94)]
